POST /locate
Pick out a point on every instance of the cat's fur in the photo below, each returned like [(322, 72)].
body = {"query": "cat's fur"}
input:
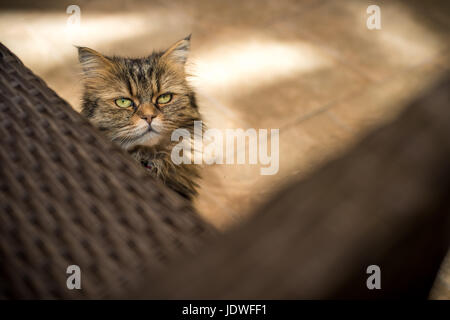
[(143, 80)]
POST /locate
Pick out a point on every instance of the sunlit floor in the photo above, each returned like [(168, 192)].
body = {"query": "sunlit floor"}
[(309, 68)]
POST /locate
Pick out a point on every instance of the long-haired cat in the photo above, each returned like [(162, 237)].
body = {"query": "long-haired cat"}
[(137, 103)]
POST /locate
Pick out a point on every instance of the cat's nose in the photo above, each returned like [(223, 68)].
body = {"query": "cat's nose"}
[(148, 117)]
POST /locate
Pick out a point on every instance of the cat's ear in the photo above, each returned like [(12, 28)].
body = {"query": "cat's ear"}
[(93, 62), (179, 51)]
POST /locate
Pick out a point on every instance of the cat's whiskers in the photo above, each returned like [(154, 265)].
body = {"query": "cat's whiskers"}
[(128, 135)]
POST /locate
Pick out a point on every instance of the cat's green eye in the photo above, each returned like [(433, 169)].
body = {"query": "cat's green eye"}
[(164, 98), (124, 103)]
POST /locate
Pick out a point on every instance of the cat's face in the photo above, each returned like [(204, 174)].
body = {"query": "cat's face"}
[(138, 101)]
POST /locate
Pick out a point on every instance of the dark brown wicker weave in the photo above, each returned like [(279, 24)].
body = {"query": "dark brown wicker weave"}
[(69, 196)]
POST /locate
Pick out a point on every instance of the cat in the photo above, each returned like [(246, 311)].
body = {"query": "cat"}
[(138, 103)]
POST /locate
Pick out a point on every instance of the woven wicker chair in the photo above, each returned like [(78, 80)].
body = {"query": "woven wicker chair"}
[(70, 197)]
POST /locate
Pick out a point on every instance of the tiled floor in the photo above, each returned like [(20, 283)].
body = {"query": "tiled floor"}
[(309, 68)]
